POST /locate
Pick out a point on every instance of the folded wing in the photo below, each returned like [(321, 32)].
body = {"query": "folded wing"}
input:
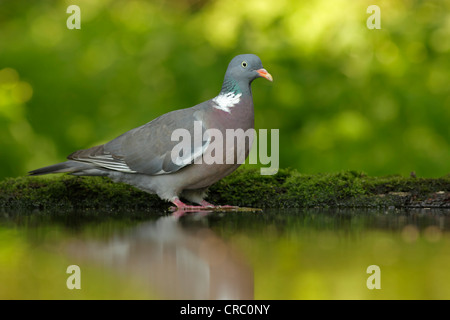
[(147, 149)]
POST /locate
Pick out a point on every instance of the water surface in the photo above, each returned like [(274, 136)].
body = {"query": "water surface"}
[(276, 254)]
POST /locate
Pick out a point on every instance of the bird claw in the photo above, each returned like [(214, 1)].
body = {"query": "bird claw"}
[(190, 208), (204, 206)]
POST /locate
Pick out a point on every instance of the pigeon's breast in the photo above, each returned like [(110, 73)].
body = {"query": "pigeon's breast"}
[(230, 136)]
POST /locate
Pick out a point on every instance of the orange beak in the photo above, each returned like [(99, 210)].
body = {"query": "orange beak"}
[(263, 73)]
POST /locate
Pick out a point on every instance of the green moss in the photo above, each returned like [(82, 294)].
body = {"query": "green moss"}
[(245, 187), (69, 192)]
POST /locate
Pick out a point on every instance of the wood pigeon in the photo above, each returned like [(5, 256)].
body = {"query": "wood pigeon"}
[(144, 157)]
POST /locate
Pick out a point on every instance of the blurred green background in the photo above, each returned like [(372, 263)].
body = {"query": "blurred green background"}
[(343, 96)]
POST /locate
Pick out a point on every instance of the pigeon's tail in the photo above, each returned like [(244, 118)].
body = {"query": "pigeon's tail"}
[(68, 166)]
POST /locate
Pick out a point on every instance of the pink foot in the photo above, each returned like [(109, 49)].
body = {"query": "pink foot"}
[(182, 206), (209, 205), (205, 203)]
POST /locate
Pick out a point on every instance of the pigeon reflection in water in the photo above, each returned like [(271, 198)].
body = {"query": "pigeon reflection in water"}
[(176, 261)]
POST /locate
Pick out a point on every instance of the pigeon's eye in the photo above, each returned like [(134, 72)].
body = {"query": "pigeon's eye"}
[(244, 64)]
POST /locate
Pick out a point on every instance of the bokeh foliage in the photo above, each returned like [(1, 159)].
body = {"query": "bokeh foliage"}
[(343, 96)]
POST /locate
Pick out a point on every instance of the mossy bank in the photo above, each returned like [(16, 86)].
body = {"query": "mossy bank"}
[(245, 187)]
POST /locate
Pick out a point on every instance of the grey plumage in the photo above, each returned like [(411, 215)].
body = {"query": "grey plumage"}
[(142, 156)]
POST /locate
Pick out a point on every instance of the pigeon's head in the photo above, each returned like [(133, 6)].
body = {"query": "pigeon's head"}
[(247, 67)]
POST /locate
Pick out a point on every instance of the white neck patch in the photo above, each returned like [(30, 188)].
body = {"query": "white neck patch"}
[(226, 101)]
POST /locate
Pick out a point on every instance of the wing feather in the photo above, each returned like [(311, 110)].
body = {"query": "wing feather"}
[(147, 149)]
